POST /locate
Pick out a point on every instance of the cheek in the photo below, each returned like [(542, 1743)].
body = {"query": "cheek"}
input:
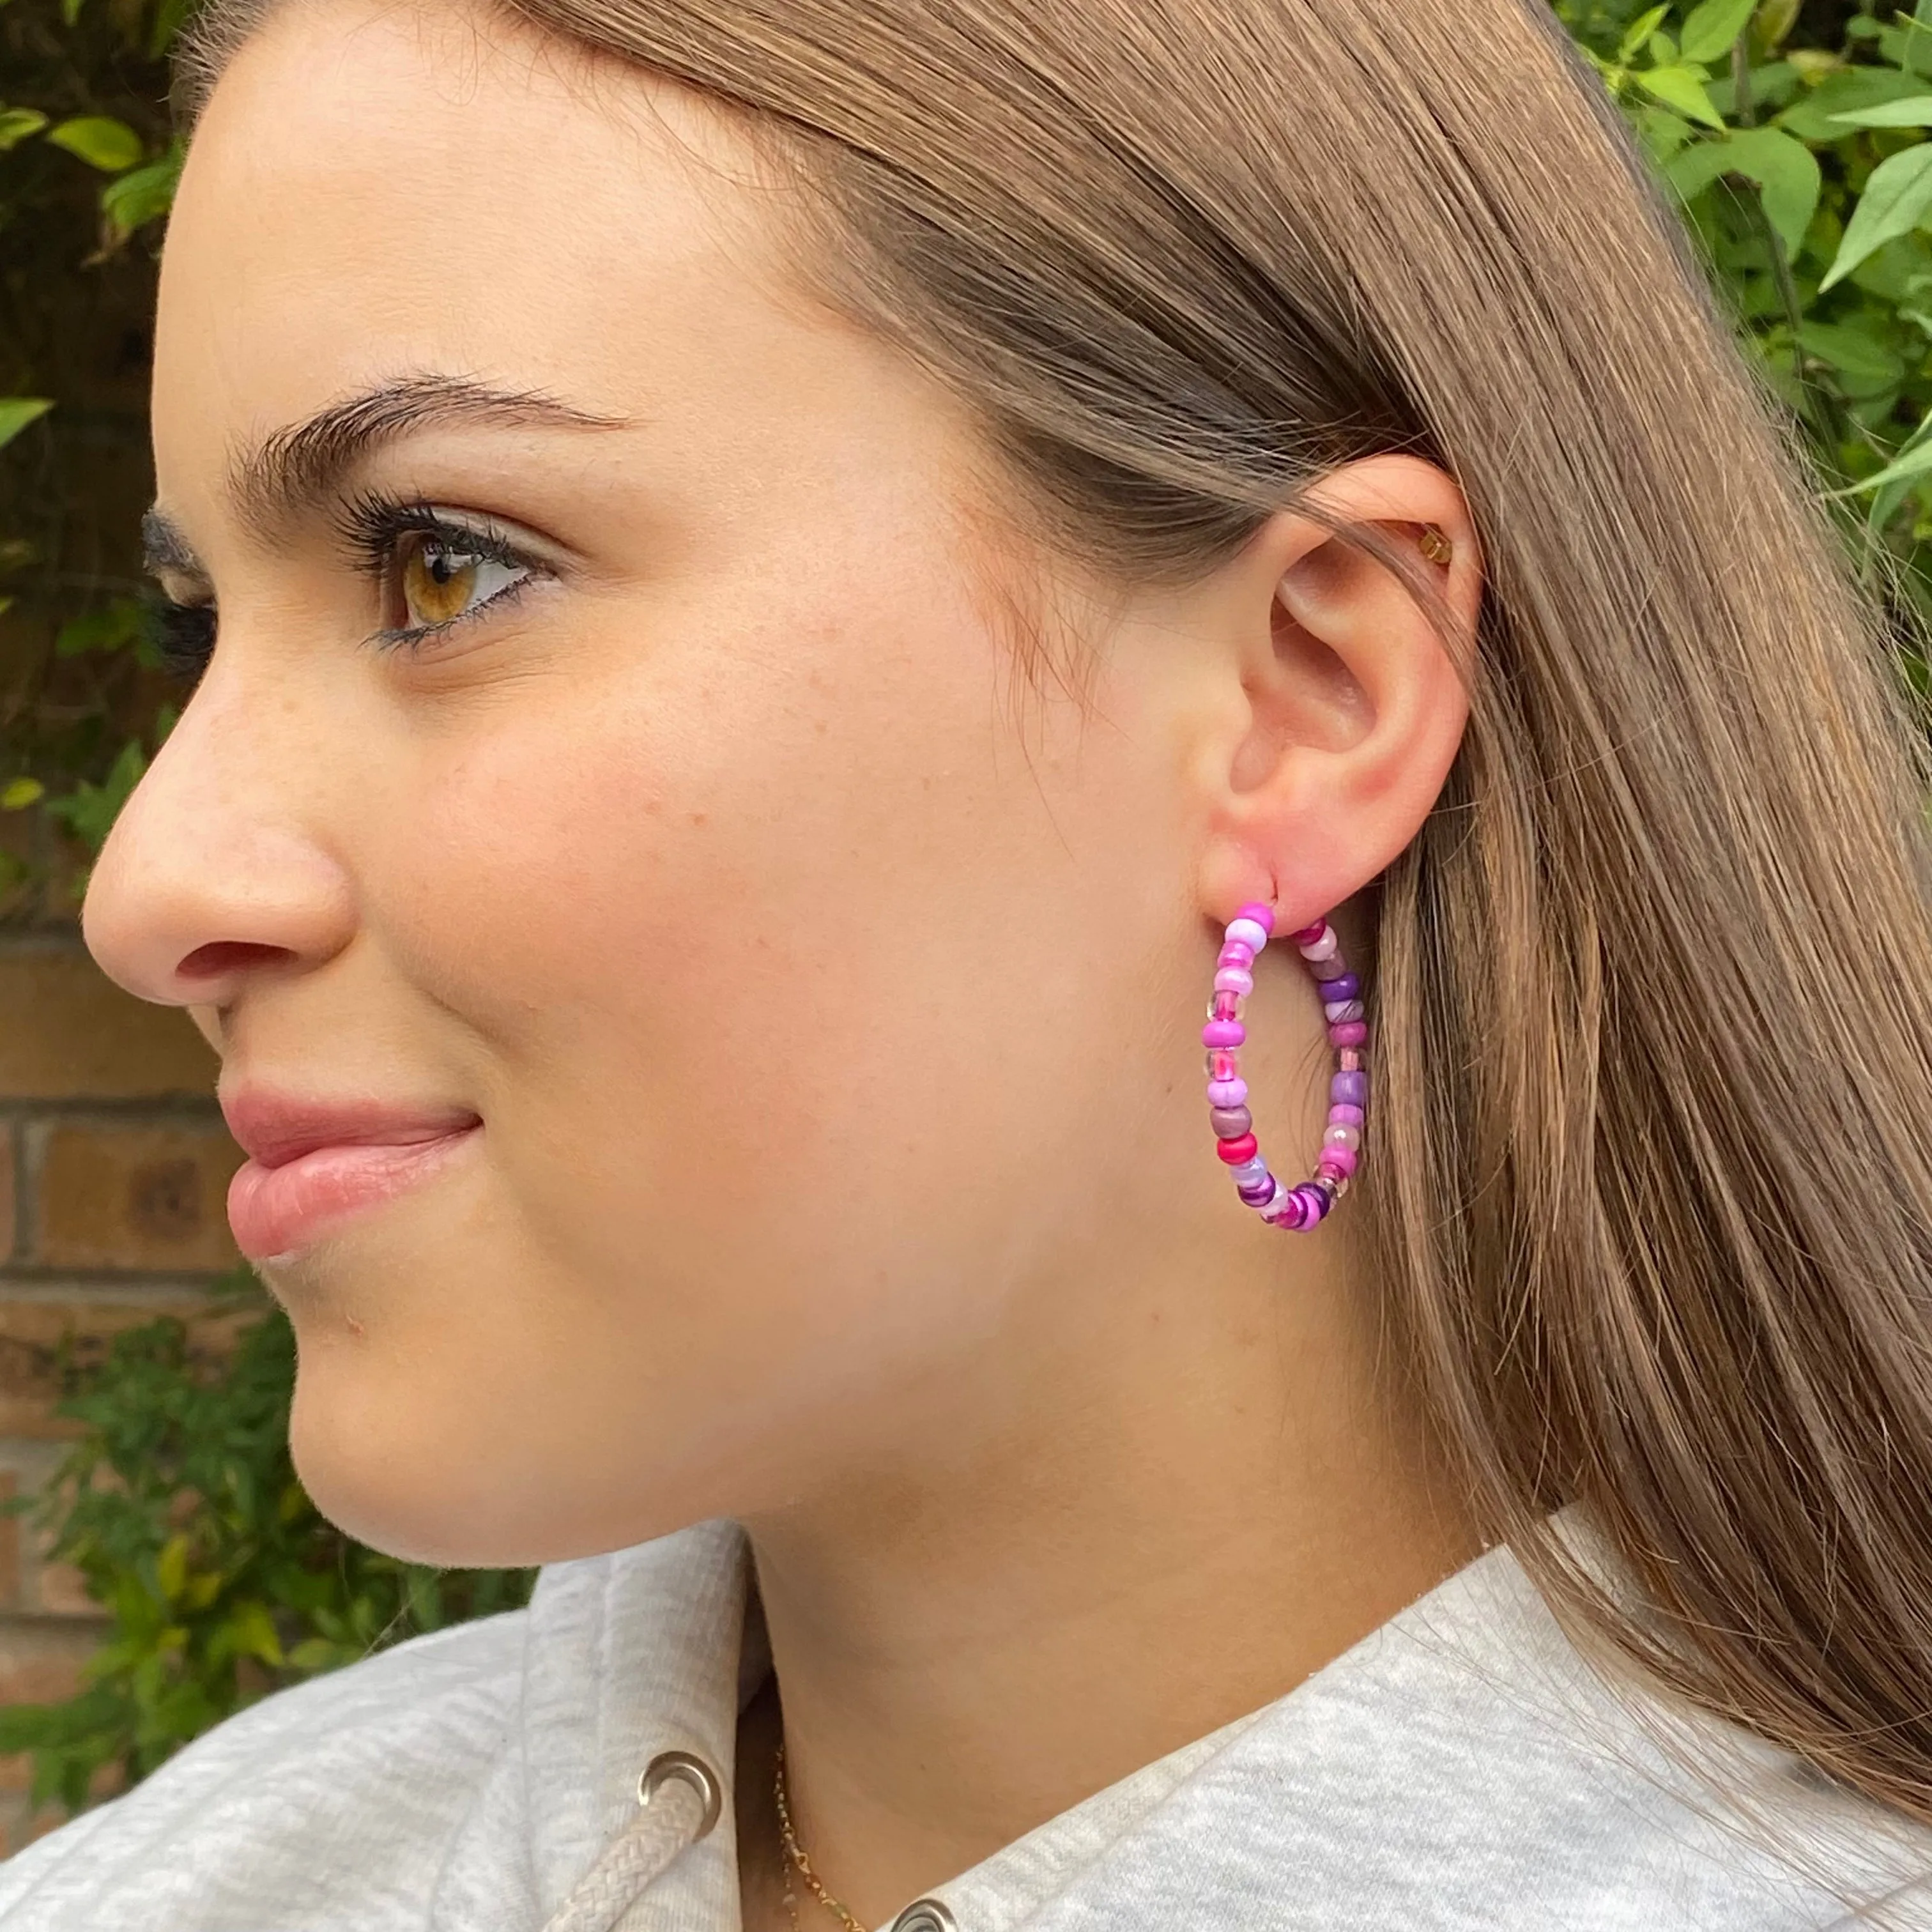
[(761, 941)]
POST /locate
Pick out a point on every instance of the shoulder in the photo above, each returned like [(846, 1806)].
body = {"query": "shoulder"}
[(386, 1755)]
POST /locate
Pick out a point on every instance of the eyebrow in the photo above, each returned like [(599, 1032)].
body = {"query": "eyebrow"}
[(295, 469)]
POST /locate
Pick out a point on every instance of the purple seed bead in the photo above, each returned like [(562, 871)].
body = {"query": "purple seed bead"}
[(1347, 987), (1341, 1115), (1348, 1032), (1351, 1088), (1259, 1194), (1316, 1200), (1230, 1123), (1223, 1032), (1227, 1093)]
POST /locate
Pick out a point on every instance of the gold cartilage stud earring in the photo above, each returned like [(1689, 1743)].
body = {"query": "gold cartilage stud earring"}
[(1436, 546)]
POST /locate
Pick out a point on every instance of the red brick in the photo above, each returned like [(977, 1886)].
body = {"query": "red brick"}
[(68, 1031), (40, 1663), (31, 1333), (7, 1221), (151, 1198)]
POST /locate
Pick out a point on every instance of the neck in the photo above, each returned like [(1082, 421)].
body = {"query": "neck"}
[(1165, 1532)]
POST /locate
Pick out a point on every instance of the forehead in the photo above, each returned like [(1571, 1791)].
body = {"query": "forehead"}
[(377, 187)]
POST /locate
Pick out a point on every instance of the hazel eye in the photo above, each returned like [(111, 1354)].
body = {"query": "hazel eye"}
[(441, 579)]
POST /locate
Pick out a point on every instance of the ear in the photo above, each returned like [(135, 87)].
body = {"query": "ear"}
[(1345, 705)]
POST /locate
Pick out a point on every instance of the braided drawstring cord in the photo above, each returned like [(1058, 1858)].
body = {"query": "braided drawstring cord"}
[(678, 1802)]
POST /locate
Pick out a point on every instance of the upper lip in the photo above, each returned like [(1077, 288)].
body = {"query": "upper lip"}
[(276, 1128)]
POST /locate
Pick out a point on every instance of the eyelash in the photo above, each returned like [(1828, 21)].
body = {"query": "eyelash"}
[(370, 525)]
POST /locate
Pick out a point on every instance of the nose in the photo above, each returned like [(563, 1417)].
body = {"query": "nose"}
[(213, 871)]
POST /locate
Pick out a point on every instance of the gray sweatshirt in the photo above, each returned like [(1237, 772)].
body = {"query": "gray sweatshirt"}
[(1461, 1768)]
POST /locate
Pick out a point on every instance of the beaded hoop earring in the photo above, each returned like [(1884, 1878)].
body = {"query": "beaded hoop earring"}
[(1303, 1206)]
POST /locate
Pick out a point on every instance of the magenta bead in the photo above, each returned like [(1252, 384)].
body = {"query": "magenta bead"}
[(1234, 1152), (1342, 1158), (1308, 934), (1348, 1032), (1263, 915), (1223, 1032), (1341, 1115), (1227, 1093)]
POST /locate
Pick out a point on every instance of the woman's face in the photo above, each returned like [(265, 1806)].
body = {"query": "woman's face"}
[(825, 1006)]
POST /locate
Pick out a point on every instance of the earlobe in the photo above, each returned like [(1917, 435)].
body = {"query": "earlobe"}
[(1356, 689)]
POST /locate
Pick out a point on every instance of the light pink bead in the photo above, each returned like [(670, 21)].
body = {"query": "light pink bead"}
[(1340, 1009), (1339, 1160), (1235, 979), (1249, 931), (1243, 956), (1342, 1136), (1348, 1032), (1348, 1061), (1227, 1093), (1324, 948), (1343, 1115)]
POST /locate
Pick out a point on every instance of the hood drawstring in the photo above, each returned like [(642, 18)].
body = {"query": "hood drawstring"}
[(678, 1799)]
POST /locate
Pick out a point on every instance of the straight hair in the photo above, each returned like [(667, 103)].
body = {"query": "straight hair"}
[(1649, 1183)]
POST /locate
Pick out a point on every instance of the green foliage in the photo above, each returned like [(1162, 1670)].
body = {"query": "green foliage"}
[(181, 1510)]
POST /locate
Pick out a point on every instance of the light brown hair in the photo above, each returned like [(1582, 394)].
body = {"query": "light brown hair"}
[(1650, 1177)]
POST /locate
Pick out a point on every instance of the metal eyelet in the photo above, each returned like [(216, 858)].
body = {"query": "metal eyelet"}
[(924, 1915), (695, 1772)]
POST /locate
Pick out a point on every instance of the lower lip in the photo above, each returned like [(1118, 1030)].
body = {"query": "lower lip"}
[(272, 1211)]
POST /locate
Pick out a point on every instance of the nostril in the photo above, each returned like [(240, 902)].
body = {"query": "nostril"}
[(222, 956)]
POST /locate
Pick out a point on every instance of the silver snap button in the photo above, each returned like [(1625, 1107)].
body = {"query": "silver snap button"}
[(925, 1915), (695, 1772)]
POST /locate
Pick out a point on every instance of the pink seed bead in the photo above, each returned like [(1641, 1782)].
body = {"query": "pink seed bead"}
[(1230, 1123), (1308, 934), (1341, 1137), (1222, 1065), (1235, 979), (1234, 1152), (1263, 915), (1342, 1115), (1227, 1093), (1223, 1032), (1242, 958), (1348, 1061), (1339, 1160), (1224, 1005), (1340, 1009), (1348, 1032), (1325, 947)]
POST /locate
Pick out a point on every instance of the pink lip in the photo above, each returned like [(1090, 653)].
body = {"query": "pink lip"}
[(313, 1163)]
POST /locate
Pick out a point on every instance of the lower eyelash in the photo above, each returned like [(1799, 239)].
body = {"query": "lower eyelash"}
[(412, 637)]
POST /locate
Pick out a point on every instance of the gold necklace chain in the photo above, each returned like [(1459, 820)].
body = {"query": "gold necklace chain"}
[(795, 1859)]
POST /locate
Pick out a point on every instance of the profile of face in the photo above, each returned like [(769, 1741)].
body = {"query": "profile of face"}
[(614, 759)]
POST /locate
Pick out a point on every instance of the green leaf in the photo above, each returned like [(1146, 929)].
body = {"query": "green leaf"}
[(18, 793), (107, 629), (17, 123), (1914, 111), (1813, 116), (1898, 194), (108, 145), (17, 412), (1865, 365), (1640, 30), (1681, 88), (141, 194), (1711, 28), (1785, 171), (1915, 463)]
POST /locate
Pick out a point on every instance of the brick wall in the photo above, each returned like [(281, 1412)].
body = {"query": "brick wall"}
[(114, 1167)]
